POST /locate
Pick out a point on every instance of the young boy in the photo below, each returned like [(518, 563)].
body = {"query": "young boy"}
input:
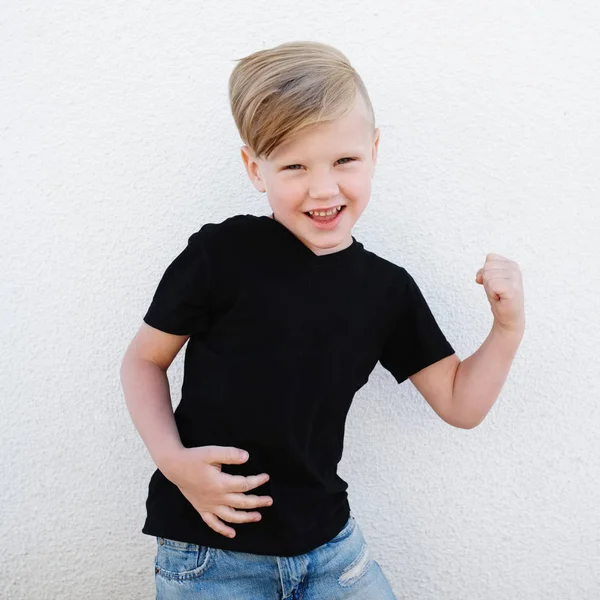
[(286, 317)]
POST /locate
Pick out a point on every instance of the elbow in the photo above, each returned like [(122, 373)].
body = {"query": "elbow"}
[(464, 418), (470, 424), (461, 425), (124, 370), (128, 364), (125, 364), (464, 423)]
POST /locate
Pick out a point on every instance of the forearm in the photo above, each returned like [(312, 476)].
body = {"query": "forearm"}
[(480, 377), (148, 399)]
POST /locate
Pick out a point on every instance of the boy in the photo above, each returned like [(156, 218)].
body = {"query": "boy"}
[(286, 316)]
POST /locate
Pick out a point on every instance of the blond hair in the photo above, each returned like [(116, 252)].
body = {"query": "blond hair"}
[(277, 92)]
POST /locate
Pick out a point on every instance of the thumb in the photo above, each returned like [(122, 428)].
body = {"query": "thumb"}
[(228, 455)]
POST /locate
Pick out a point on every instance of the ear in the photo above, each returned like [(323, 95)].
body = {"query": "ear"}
[(375, 149), (252, 168)]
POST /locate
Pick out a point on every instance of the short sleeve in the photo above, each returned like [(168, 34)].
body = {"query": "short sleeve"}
[(415, 340), (181, 302)]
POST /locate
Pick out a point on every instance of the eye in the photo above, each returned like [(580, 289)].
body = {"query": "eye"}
[(346, 160)]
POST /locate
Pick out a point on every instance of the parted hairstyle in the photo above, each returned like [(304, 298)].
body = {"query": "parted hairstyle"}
[(277, 92)]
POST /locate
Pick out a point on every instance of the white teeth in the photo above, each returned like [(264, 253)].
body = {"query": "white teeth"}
[(325, 213)]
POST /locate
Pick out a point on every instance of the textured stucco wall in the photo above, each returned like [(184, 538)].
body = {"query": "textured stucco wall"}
[(117, 143)]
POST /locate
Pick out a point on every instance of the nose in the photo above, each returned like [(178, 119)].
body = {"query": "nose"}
[(323, 186)]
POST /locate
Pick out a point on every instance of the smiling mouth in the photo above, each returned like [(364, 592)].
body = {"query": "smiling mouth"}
[(323, 216)]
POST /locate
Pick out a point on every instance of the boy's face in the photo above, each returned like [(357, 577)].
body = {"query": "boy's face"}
[(327, 166)]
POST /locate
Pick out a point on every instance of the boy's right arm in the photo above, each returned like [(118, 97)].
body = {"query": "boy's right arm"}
[(195, 471), (147, 393)]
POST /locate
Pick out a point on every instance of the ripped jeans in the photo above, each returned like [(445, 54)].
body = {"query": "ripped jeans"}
[(341, 569)]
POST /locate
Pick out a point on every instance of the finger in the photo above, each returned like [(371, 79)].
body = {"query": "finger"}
[(237, 516), (247, 501), (241, 483), (228, 455), (503, 269), (494, 256), (215, 523)]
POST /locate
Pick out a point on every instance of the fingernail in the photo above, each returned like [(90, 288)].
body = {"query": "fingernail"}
[(245, 455)]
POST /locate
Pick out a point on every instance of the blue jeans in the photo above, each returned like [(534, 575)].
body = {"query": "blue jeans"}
[(338, 570)]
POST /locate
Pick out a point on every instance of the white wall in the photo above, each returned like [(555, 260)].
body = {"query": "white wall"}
[(117, 143)]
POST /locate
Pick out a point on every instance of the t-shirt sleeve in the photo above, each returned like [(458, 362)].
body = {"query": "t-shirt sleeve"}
[(181, 301), (415, 340)]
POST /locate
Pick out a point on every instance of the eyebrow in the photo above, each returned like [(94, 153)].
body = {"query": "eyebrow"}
[(292, 160)]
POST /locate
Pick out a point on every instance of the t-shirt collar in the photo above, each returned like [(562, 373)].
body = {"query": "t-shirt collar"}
[(321, 258)]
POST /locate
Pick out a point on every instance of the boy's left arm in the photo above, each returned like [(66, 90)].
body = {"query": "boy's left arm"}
[(463, 392)]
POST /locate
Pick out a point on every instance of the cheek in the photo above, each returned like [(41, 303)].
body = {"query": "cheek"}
[(287, 191), (358, 186)]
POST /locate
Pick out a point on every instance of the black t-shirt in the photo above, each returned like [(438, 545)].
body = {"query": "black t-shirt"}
[(280, 341)]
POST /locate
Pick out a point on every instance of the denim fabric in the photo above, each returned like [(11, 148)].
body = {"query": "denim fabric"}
[(338, 570)]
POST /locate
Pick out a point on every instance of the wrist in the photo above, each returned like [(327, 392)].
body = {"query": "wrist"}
[(516, 331), (169, 459)]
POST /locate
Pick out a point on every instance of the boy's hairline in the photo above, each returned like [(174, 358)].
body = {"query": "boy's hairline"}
[(271, 158), (369, 118)]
